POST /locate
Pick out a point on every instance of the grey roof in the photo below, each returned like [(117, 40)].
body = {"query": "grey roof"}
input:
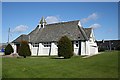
[(21, 37), (88, 31), (53, 32)]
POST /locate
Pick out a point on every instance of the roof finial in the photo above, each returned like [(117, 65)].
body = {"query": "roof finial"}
[(43, 21)]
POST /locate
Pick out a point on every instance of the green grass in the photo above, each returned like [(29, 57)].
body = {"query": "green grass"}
[(104, 65)]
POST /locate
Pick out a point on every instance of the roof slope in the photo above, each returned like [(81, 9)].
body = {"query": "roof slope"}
[(88, 31), (21, 37), (53, 32)]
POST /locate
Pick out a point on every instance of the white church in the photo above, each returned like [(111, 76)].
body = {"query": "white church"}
[(44, 38)]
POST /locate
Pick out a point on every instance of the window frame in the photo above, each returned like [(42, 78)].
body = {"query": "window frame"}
[(35, 44), (77, 43), (46, 44)]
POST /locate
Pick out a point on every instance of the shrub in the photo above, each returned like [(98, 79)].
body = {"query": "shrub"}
[(24, 49), (8, 49), (65, 48), (118, 48)]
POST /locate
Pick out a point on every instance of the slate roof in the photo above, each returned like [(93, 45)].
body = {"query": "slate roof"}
[(88, 31), (53, 32), (21, 37)]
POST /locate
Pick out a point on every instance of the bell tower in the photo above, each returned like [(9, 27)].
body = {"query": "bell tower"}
[(42, 23)]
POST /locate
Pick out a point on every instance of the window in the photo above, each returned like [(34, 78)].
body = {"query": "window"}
[(47, 44), (76, 43), (35, 44)]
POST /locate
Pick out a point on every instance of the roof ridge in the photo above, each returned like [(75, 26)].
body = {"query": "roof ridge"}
[(23, 35), (87, 28), (63, 22)]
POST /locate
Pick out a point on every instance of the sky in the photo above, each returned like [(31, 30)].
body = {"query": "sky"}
[(23, 17), (0, 22)]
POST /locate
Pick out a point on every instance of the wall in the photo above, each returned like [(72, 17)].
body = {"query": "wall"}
[(76, 48), (87, 48), (40, 50), (93, 44), (34, 51), (14, 47), (83, 48), (93, 48), (54, 49)]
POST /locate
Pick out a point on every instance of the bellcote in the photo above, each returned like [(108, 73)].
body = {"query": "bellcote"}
[(42, 23)]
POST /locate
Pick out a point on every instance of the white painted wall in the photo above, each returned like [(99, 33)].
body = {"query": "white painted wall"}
[(54, 49), (76, 49), (93, 44), (30, 45), (46, 51), (83, 48), (87, 48), (40, 52), (34, 51), (93, 48), (14, 47)]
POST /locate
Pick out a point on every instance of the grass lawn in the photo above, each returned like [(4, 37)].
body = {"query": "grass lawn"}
[(104, 65)]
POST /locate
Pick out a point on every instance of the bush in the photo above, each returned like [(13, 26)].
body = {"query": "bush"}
[(8, 49), (118, 48), (65, 48), (100, 49), (24, 49)]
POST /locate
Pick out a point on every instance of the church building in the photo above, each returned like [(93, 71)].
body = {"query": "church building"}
[(43, 40)]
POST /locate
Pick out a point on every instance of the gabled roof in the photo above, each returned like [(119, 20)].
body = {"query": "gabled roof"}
[(88, 31), (53, 32), (21, 37)]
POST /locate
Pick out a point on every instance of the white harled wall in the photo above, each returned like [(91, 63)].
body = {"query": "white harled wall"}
[(40, 52), (14, 47), (34, 51), (46, 51), (87, 48), (54, 49), (83, 50), (93, 44), (76, 48), (93, 48)]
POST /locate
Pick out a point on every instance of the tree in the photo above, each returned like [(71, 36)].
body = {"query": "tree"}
[(24, 49), (65, 48), (8, 49)]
